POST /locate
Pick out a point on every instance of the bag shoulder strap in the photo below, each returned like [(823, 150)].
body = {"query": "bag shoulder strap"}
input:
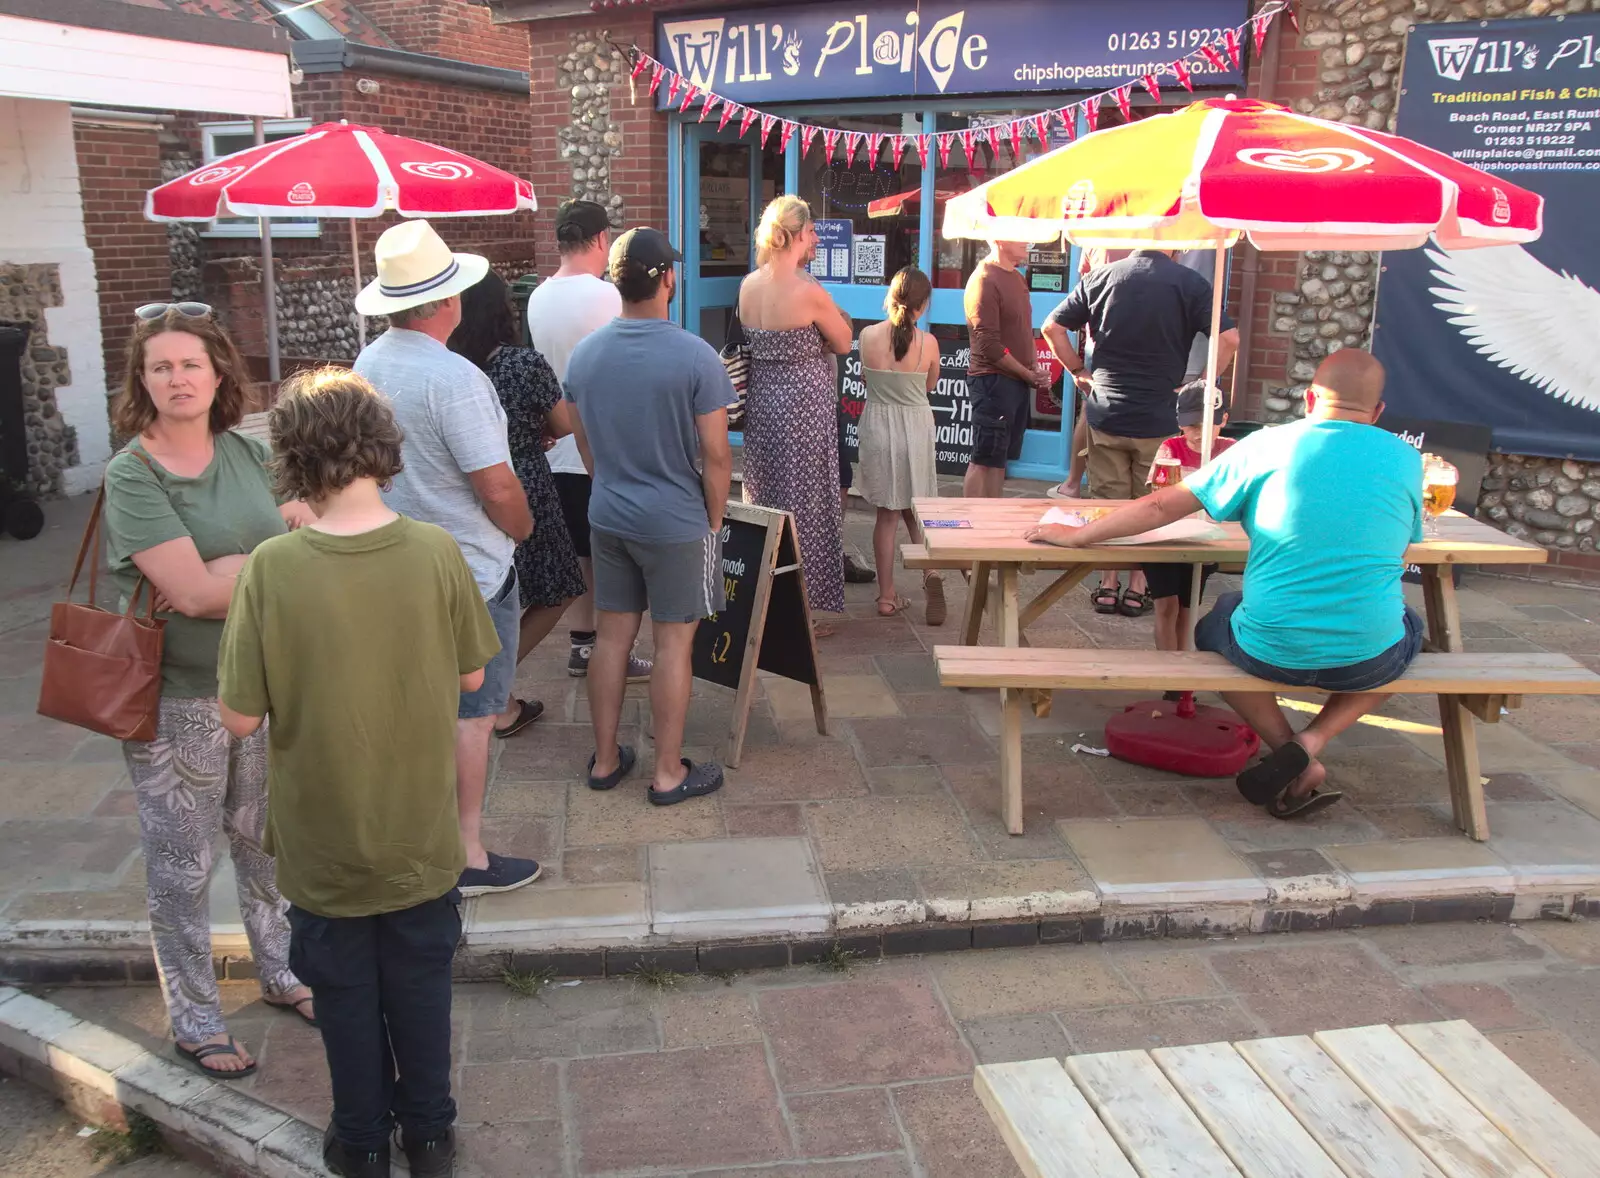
[(90, 544)]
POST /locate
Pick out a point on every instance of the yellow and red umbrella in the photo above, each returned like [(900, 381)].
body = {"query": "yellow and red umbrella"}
[(1202, 176)]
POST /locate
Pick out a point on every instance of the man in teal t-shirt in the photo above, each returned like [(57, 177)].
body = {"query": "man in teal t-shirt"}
[(1330, 504)]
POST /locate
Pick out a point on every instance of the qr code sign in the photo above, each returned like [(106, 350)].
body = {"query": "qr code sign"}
[(869, 259)]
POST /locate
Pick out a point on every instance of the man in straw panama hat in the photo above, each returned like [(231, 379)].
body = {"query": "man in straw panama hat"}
[(457, 475)]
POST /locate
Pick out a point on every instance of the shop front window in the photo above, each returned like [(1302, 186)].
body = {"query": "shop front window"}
[(867, 213)]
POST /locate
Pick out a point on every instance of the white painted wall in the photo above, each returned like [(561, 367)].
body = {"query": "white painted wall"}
[(41, 220)]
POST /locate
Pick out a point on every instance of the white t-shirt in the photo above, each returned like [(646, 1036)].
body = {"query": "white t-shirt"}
[(561, 311)]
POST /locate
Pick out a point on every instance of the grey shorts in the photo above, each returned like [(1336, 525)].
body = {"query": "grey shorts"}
[(675, 582), (505, 611)]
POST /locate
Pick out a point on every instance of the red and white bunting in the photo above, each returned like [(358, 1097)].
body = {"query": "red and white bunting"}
[(852, 141), (1091, 113), (786, 133), (1180, 70), (969, 145), (655, 78), (1293, 19), (1124, 97), (1258, 26), (922, 150), (746, 119), (705, 107), (1150, 84), (874, 145), (808, 132), (897, 148), (674, 84), (1214, 56), (1230, 42), (945, 141), (1016, 140), (1041, 128), (640, 61), (689, 95), (830, 140), (767, 123), (992, 134)]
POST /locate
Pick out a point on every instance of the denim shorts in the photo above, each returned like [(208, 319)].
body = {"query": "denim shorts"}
[(505, 611), (1215, 632)]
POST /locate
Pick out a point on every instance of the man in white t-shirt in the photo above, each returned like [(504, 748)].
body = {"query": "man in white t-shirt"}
[(562, 310)]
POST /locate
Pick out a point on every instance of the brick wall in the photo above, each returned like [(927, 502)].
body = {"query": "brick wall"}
[(116, 166), (450, 28)]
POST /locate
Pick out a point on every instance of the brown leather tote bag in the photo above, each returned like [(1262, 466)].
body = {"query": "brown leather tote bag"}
[(102, 670)]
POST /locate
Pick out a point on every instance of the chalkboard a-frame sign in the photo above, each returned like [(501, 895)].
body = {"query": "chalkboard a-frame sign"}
[(766, 624)]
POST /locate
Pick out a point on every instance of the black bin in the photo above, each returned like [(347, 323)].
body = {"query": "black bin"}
[(20, 514)]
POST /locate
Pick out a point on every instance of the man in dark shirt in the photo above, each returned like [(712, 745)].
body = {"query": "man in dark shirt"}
[(1143, 312), (1002, 368)]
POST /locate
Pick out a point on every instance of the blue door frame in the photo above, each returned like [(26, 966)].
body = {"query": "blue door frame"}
[(1044, 452)]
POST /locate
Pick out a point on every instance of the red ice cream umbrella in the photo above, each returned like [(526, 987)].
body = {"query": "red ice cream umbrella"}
[(341, 170)]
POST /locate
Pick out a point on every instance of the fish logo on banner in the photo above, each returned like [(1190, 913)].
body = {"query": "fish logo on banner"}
[(695, 46), (1451, 56)]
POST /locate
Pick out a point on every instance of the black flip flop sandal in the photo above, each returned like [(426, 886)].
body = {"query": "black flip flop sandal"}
[(1286, 806), (626, 759), (528, 710), (294, 1008), (701, 780), (1264, 781), (205, 1051), (1106, 601), (1135, 605)]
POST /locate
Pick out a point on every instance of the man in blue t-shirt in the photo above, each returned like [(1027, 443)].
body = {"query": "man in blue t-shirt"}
[(1330, 504), (653, 431)]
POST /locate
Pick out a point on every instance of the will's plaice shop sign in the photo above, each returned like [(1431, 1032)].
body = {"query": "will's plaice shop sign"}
[(878, 50)]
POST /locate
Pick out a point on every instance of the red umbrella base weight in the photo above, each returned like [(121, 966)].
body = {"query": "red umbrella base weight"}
[(1197, 741)]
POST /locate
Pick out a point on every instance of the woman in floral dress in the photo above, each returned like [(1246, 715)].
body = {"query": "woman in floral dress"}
[(791, 429)]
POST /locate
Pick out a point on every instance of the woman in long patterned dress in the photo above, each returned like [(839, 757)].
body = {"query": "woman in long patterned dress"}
[(791, 426), (547, 563)]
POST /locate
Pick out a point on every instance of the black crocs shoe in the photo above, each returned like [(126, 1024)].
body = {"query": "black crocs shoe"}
[(434, 1158), (702, 779), (349, 1163)]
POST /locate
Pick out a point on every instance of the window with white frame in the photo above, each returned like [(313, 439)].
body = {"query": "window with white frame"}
[(220, 139)]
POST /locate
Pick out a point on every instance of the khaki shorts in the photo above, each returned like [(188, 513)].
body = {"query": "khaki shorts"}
[(1118, 466)]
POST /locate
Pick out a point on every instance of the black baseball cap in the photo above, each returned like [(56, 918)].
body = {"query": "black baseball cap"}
[(648, 249), (1192, 403), (588, 218)]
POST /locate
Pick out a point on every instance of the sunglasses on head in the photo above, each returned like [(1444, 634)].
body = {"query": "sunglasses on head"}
[(187, 310)]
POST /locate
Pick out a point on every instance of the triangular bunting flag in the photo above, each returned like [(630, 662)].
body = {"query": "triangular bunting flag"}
[(785, 133), (1041, 129), (1150, 84), (874, 145), (1258, 26), (674, 84), (728, 109), (1180, 70), (655, 77), (748, 117), (945, 142), (1016, 140), (992, 133), (640, 60), (1068, 116), (767, 123), (807, 134), (1214, 56), (830, 139), (969, 145), (1091, 112), (897, 145), (1293, 19), (852, 140), (1124, 97), (705, 107), (689, 95), (1230, 42), (922, 150)]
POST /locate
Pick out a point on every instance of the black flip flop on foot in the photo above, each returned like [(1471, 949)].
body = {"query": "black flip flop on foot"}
[(205, 1051), (1268, 778), (528, 710), (1285, 805), (626, 759), (294, 1008), (1106, 601), (702, 779)]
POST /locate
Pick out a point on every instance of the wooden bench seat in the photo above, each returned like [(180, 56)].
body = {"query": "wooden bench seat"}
[(1480, 683)]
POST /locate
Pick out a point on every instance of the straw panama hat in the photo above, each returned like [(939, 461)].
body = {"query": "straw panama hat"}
[(415, 267)]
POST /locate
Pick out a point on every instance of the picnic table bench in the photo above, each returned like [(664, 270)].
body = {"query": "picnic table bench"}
[(990, 544), (1430, 1100)]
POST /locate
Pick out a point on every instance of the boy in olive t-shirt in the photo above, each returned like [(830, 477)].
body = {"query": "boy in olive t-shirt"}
[(357, 635)]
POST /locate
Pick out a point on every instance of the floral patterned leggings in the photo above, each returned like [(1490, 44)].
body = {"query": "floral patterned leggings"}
[(191, 780)]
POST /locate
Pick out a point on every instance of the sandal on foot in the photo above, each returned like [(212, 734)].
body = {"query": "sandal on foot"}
[(1135, 604), (1286, 805), (888, 609), (934, 608), (528, 710), (205, 1051), (626, 759), (1106, 600), (702, 779), (1268, 778), (294, 1008), (821, 630)]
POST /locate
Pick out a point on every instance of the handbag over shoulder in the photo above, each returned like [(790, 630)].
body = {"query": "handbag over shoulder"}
[(102, 670)]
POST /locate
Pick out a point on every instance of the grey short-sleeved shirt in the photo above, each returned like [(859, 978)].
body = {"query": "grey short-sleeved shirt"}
[(454, 425), (639, 385)]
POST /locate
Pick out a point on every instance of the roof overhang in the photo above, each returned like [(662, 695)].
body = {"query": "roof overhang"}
[(114, 54)]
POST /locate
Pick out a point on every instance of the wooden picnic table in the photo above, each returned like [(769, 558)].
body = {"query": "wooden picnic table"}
[(990, 542)]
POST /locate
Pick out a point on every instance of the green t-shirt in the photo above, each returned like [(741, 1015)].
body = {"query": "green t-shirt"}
[(227, 509), (353, 647)]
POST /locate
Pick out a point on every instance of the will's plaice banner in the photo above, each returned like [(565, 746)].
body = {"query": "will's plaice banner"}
[(1504, 337)]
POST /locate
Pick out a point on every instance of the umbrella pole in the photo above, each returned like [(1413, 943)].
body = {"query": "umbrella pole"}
[(355, 270), (1208, 426), (269, 280)]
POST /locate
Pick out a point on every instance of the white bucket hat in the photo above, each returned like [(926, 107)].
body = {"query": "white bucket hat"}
[(415, 267)]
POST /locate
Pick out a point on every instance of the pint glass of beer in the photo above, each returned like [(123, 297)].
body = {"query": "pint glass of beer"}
[(1439, 480), (1168, 472)]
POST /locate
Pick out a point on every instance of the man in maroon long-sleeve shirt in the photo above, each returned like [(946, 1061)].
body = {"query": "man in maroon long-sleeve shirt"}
[(1002, 369)]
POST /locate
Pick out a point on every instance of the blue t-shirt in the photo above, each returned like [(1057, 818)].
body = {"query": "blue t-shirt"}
[(1330, 508), (639, 385)]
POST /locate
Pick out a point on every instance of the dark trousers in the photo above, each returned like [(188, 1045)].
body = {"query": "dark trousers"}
[(382, 985)]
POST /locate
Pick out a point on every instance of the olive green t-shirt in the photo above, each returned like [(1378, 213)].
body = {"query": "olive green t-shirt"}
[(227, 509), (354, 648)]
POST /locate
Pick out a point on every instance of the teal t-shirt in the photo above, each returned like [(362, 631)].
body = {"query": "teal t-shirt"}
[(1330, 508)]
